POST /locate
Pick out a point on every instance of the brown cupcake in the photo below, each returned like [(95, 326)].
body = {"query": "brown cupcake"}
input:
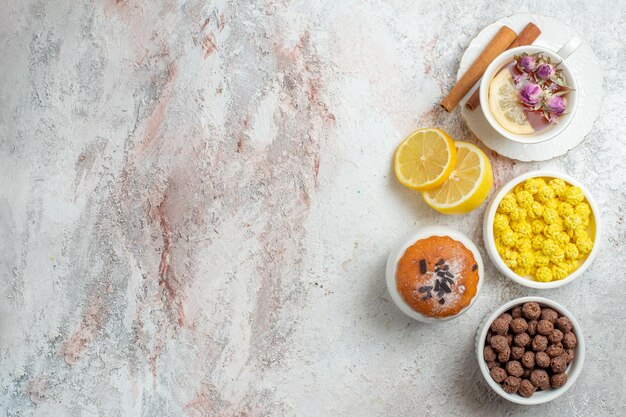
[(437, 276)]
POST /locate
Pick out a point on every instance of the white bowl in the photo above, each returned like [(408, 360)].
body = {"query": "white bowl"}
[(490, 243), (400, 249), (572, 96), (573, 369)]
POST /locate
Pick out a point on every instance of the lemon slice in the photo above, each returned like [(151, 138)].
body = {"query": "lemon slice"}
[(425, 159), (505, 107), (468, 185)]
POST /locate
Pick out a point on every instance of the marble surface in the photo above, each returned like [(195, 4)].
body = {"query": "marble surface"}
[(197, 204)]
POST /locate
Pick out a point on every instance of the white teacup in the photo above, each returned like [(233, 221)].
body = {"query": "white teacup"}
[(572, 96)]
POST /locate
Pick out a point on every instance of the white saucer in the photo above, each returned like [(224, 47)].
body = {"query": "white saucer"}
[(585, 65)]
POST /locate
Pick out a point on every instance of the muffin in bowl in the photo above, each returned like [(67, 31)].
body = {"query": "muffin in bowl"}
[(434, 274)]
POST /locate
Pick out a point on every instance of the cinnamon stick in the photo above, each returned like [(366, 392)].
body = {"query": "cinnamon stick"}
[(526, 37), (498, 44)]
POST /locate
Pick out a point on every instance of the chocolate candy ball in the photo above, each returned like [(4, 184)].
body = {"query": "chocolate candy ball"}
[(489, 354), (498, 374), (514, 368), (492, 364), (505, 355), (545, 327), (509, 338), (511, 384), (540, 343), (500, 326), (516, 312), (540, 379), (499, 343), (558, 380), (542, 359), (488, 338), (517, 352), (549, 314), (531, 310), (519, 325), (563, 324), (569, 340), (528, 360), (569, 355), (526, 388), (556, 336), (522, 339), (558, 364), (532, 327), (506, 317), (554, 350)]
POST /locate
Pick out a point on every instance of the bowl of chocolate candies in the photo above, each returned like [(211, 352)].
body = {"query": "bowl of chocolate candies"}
[(530, 350)]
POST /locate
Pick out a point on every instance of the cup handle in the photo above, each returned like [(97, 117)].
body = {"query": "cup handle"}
[(569, 47)]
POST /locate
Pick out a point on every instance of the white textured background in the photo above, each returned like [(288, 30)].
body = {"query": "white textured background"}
[(196, 205)]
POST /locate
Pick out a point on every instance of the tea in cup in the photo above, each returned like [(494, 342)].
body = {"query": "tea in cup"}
[(528, 94)]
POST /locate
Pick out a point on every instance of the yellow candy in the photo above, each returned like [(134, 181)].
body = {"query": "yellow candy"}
[(558, 185), (558, 255), (526, 260), (550, 215), (537, 226), (583, 210), (500, 222), (536, 209), (552, 204), (573, 222), (573, 265), (559, 221), (568, 266), (559, 272), (511, 263), (543, 274), (541, 228), (573, 195), (537, 241), (523, 228), (523, 244), (544, 194), (532, 185), (518, 214), (508, 203), (541, 260), (524, 199), (549, 247), (521, 271), (580, 233), (562, 238), (511, 254), (508, 237), (565, 209), (584, 245), (571, 251), (552, 230)]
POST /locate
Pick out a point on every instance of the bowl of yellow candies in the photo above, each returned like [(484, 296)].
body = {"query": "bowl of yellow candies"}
[(542, 229)]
